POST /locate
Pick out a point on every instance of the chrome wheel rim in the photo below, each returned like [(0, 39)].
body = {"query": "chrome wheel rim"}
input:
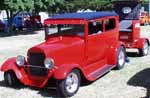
[(121, 58), (72, 82), (146, 48)]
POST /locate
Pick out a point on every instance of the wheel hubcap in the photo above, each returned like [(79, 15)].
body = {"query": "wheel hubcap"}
[(71, 83), (146, 48), (121, 59)]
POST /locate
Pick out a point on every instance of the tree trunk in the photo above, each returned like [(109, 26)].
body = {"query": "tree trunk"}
[(10, 21), (10, 17)]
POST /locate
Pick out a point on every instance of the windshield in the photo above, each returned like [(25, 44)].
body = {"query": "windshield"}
[(65, 30)]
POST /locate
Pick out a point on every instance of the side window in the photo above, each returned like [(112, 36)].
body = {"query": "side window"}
[(110, 24), (95, 27)]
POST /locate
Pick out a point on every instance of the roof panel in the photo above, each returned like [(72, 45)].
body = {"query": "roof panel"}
[(84, 15)]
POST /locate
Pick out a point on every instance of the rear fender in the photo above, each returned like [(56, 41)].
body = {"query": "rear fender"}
[(112, 52), (64, 70), (141, 41)]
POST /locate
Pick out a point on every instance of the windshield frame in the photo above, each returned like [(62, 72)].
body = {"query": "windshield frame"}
[(83, 22), (64, 30)]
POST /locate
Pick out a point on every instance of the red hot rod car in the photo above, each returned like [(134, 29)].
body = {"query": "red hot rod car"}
[(77, 46)]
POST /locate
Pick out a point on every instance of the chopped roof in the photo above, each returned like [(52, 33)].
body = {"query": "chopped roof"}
[(84, 15)]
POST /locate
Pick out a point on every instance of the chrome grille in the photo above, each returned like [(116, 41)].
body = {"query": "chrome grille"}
[(36, 60)]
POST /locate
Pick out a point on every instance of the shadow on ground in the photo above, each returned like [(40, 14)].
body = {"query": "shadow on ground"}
[(141, 79), (46, 92), (133, 54), (3, 84)]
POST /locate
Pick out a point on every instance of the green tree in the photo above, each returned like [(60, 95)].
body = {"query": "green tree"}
[(52, 6), (13, 7), (74, 5)]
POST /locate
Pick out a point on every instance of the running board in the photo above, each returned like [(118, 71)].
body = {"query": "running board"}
[(101, 71)]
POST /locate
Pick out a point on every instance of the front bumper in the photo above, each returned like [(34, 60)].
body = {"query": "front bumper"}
[(34, 80)]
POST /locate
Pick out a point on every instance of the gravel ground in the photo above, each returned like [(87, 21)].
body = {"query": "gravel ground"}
[(131, 82)]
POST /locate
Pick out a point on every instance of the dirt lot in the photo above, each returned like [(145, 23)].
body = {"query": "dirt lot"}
[(131, 82)]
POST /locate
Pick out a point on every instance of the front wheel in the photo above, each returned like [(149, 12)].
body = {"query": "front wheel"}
[(69, 86), (11, 79), (145, 50), (121, 58)]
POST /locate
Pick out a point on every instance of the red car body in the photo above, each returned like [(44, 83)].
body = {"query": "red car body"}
[(91, 54), (33, 21)]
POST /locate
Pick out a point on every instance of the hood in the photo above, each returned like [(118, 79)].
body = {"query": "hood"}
[(55, 43)]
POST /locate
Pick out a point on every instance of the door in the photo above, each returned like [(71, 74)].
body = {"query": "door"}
[(96, 47)]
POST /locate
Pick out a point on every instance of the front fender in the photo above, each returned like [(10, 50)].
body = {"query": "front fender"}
[(141, 41), (10, 64), (64, 70)]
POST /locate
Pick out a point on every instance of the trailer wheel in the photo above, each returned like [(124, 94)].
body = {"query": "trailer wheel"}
[(69, 86), (11, 79), (121, 58), (145, 50)]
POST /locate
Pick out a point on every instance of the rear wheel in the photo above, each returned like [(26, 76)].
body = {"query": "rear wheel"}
[(145, 50), (121, 58), (69, 86), (11, 79)]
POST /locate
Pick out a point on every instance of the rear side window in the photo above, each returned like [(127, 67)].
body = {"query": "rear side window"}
[(110, 24), (95, 27)]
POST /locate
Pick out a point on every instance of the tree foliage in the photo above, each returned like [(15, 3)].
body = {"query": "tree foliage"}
[(13, 7), (54, 6), (74, 5)]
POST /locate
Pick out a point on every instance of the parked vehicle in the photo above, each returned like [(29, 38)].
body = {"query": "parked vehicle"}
[(78, 46), (2, 26), (18, 23), (129, 26), (35, 20), (144, 18), (26, 20)]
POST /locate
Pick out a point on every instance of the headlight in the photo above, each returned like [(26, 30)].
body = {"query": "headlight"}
[(20, 60), (49, 63)]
